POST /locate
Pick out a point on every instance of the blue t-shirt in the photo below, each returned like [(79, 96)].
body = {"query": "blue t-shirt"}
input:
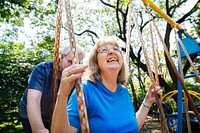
[(108, 112), (40, 79)]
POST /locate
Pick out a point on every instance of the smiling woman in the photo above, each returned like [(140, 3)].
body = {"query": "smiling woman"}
[(106, 49), (108, 102)]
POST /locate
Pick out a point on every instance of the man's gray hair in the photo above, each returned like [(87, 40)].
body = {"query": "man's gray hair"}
[(67, 49)]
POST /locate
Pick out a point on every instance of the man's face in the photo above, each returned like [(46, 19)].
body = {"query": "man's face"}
[(67, 60)]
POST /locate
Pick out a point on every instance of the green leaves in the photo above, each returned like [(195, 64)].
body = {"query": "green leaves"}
[(16, 63)]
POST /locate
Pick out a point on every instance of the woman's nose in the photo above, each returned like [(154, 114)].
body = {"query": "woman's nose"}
[(111, 51)]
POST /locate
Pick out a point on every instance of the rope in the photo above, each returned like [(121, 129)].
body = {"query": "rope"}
[(56, 57), (128, 34), (79, 90), (148, 3), (162, 116), (187, 114), (154, 54)]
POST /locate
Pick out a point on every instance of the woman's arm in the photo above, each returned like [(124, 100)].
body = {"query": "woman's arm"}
[(60, 121), (148, 101)]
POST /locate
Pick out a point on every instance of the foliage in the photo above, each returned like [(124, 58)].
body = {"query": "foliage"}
[(16, 64), (21, 19)]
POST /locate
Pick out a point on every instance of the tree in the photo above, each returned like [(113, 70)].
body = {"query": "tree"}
[(16, 64), (14, 15), (92, 19)]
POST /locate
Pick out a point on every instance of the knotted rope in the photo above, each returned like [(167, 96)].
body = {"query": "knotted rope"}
[(175, 25), (162, 116), (56, 57), (79, 90)]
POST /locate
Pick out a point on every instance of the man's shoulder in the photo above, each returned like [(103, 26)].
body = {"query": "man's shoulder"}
[(44, 65), (43, 68)]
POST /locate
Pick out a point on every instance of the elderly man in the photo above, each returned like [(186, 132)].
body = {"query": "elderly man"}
[(35, 104)]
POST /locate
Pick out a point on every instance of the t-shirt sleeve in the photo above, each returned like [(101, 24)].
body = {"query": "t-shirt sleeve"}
[(72, 108), (37, 79)]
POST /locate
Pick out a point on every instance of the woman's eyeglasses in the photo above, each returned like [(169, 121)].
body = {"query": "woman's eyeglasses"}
[(106, 49)]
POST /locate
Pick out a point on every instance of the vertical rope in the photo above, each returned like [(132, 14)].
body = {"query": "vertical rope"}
[(79, 90), (128, 34), (187, 114), (143, 47), (162, 116), (56, 56)]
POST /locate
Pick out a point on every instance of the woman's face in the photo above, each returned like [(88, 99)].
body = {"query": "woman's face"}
[(109, 58)]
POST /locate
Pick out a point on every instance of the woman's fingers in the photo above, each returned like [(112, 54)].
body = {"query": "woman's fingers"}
[(69, 75), (150, 96), (159, 91), (73, 69)]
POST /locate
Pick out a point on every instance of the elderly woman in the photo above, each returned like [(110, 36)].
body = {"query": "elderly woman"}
[(108, 102)]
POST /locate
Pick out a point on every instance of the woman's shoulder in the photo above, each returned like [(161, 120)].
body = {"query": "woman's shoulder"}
[(88, 83), (122, 86)]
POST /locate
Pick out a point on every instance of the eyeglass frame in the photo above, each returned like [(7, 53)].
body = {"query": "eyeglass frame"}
[(107, 49)]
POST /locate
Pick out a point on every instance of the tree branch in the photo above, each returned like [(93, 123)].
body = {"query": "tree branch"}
[(109, 5), (195, 8)]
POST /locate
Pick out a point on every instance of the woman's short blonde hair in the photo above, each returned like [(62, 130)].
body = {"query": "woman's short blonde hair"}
[(94, 71)]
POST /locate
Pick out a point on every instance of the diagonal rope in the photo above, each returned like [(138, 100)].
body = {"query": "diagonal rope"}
[(128, 36), (154, 54), (79, 90), (162, 116)]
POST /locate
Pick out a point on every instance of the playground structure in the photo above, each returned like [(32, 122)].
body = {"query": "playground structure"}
[(187, 47), (170, 94), (190, 45), (172, 114)]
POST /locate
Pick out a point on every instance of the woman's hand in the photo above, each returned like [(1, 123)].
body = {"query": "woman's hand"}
[(69, 75), (150, 96)]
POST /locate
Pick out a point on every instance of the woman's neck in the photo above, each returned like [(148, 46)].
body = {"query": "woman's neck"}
[(110, 80)]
